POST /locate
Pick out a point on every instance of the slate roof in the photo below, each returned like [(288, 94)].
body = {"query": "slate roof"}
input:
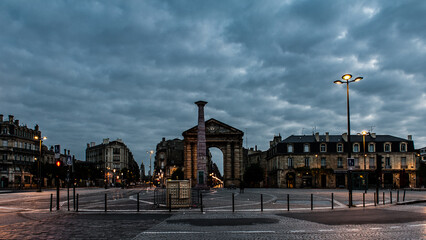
[(339, 138)]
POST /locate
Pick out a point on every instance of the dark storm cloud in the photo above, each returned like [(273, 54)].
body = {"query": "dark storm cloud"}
[(133, 69)]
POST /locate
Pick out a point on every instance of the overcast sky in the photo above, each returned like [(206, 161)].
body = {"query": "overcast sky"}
[(90, 70)]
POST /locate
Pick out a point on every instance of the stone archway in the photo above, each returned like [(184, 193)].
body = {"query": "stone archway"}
[(222, 136)]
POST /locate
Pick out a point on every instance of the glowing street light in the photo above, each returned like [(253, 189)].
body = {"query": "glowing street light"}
[(40, 139), (347, 79), (150, 152)]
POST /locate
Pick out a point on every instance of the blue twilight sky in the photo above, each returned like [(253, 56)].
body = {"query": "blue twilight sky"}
[(89, 70)]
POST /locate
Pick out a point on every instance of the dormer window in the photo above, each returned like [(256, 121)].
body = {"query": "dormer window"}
[(371, 147), (356, 147), (289, 148), (306, 148), (323, 147), (340, 147), (387, 147), (403, 147)]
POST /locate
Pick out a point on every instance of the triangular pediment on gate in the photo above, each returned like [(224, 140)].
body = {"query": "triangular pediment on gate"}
[(214, 126)]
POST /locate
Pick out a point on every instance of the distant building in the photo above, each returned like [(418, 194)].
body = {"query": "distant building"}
[(321, 161), (168, 158), (255, 156), (111, 157), (18, 153)]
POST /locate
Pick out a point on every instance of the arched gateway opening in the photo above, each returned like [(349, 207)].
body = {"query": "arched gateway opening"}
[(219, 135)]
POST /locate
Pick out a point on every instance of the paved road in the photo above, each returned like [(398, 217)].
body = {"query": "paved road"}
[(27, 216)]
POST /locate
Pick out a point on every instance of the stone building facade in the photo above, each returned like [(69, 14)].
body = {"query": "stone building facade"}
[(321, 161), (168, 158), (111, 157), (18, 153)]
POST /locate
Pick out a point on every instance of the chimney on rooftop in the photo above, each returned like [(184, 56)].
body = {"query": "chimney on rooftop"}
[(373, 135), (11, 118), (345, 137), (410, 137), (1, 117), (327, 137), (317, 136), (36, 128), (17, 123)]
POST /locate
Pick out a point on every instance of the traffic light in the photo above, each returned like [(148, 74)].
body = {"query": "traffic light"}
[(58, 163)]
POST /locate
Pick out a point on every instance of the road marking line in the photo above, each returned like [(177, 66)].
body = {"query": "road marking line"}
[(353, 229), (172, 232), (326, 230), (297, 231), (376, 228), (417, 225), (395, 227), (237, 232)]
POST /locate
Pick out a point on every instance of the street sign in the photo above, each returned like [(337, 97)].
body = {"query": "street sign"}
[(69, 161), (351, 163), (57, 151)]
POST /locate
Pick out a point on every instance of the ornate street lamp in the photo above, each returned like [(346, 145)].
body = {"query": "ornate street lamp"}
[(347, 79), (40, 139)]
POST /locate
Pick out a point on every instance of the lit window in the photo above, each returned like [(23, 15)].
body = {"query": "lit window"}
[(289, 148)]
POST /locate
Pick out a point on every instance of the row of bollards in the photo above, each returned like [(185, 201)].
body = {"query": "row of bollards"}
[(76, 205)]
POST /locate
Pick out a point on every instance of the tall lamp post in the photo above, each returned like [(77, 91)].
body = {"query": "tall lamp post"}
[(347, 79), (365, 155), (40, 139), (150, 168)]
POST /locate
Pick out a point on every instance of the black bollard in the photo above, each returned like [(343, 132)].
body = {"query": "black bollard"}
[(68, 196), (233, 203), (390, 193), (170, 202), (51, 201), (201, 202), (397, 196), (288, 202), (312, 201), (105, 202), (403, 197), (375, 199), (76, 204), (261, 202), (332, 201), (138, 202), (383, 197), (363, 199)]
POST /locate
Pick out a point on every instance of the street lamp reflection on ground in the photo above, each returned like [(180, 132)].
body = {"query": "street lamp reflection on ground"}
[(40, 139), (347, 79)]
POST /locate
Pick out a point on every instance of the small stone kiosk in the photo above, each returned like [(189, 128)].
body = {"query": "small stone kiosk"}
[(178, 193)]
